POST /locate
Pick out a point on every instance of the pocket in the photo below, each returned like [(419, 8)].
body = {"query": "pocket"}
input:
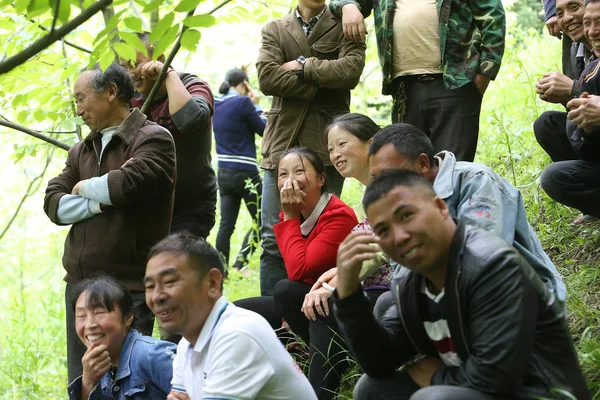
[(135, 391), (326, 50)]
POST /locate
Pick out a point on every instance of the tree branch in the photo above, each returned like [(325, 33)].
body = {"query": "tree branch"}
[(56, 8), (35, 134), (169, 59), (42, 43), (71, 44), (27, 194)]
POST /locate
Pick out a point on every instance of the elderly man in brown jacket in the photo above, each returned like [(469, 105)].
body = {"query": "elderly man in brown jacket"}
[(116, 191), (309, 68)]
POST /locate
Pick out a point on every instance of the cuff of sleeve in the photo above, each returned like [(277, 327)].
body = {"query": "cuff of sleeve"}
[(96, 189), (489, 68), (74, 389), (342, 3), (349, 301), (94, 207), (575, 89)]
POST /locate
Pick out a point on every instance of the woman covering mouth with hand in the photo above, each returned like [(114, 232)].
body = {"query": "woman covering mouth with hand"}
[(120, 363)]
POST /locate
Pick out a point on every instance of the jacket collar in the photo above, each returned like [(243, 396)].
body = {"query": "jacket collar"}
[(126, 131), (308, 225), (123, 370), (442, 185), (293, 26)]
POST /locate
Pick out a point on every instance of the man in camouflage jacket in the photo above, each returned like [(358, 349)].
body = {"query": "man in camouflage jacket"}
[(437, 58)]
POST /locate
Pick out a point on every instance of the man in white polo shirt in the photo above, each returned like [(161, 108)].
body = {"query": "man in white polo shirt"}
[(226, 352)]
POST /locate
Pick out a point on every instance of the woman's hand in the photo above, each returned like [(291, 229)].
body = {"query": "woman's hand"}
[(316, 299), (292, 199), (325, 278), (96, 363)]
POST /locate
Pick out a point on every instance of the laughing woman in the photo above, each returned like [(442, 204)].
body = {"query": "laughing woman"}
[(120, 363), (312, 225)]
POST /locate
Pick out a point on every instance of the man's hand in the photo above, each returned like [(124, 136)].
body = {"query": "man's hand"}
[(176, 395), (353, 24), (127, 162), (75, 189), (585, 111), (554, 87), (151, 69), (552, 25), (96, 363), (481, 81), (356, 248), (292, 65), (316, 299), (251, 94), (422, 371)]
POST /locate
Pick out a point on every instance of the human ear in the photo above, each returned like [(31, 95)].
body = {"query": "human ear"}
[(214, 282), (424, 164)]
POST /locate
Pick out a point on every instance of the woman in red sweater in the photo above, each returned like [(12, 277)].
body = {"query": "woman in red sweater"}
[(312, 225)]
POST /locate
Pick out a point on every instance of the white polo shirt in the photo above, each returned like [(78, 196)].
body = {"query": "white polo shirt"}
[(238, 357)]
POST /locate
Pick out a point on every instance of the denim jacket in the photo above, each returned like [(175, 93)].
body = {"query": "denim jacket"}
[(144, 372), (478, 196)]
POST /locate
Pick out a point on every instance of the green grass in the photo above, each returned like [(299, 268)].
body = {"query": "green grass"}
[(32, 344)]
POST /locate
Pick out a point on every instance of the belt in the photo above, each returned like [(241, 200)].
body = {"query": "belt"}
[(420, 77)]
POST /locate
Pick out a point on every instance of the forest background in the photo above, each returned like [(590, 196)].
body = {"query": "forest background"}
[(36, 99)]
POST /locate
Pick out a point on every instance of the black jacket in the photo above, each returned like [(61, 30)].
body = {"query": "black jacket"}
[(508, 330)]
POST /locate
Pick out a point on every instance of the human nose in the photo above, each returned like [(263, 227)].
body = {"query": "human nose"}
[(79, 110), (401, 236)]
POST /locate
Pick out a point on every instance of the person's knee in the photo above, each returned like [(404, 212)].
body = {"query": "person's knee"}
[(550, 180), (365, 387), (539, 127), (384, 302), (282, 290), (432, 393)]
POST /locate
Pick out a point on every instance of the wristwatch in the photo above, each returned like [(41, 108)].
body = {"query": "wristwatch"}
[(300, 72)]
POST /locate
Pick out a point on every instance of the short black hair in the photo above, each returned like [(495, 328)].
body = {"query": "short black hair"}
[(145, 38), (390, 179), (233, 78), (408, 141), (202, 255), (116, 75), (359, 125), (311, 156), (104, 291)]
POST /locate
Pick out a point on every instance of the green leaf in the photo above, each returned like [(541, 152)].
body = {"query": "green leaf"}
[(106, 60), (133, 40), (125, 51), (190, 39), (153, 5), (187, 5), (39, 115), (22, 115), (134, 23), (64, 10), (199, 20), (161, 28), (37, 7), (21, 5), (165, 42), (113, 21)]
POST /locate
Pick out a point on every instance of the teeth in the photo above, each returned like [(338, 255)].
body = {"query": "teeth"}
[(412, 252), (165, 312), (94, 338), (339, 164)]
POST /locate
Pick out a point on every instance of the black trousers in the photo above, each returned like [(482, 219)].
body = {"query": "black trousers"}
[(568, 180), (328, 354), (450, 117), (233, 189)]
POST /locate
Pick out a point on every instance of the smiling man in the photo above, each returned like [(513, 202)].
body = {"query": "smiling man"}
[(116, 192), (471, 320), (226, 352)]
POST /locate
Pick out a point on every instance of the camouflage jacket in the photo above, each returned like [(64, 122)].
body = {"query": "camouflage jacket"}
[(471, 37)]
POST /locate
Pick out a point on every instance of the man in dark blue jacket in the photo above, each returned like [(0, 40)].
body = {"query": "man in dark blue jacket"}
[(472, 320)]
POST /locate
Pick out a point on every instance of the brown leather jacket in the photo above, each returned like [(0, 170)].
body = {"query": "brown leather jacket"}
[(116, 242), (303, 106)]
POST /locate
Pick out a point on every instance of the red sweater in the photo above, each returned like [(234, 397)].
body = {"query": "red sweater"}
[(306, 258)]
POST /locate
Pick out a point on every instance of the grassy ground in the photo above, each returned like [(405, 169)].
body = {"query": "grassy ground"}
[(32, 345)]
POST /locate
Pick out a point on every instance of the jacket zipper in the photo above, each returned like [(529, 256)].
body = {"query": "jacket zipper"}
[(460, 320), (402, 319)]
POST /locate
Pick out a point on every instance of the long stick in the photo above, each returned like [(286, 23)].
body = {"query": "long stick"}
[(35, 134)]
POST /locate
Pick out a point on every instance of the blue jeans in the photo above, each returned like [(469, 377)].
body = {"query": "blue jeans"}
[(232, 190), (272, 268)]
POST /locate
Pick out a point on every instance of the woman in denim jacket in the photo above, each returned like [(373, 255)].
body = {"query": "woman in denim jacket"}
[(120, 363)]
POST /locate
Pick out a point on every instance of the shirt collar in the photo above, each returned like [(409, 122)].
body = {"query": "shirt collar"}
[(442, 185), (123, 370), (312, 219), (210, 323), (308, 26)]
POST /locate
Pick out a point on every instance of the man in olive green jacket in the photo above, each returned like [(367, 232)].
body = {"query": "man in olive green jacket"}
[(437, 58), (309, 68)]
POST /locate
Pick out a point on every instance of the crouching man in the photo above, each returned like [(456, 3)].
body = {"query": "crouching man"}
[(226, 352), (471, 320)]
